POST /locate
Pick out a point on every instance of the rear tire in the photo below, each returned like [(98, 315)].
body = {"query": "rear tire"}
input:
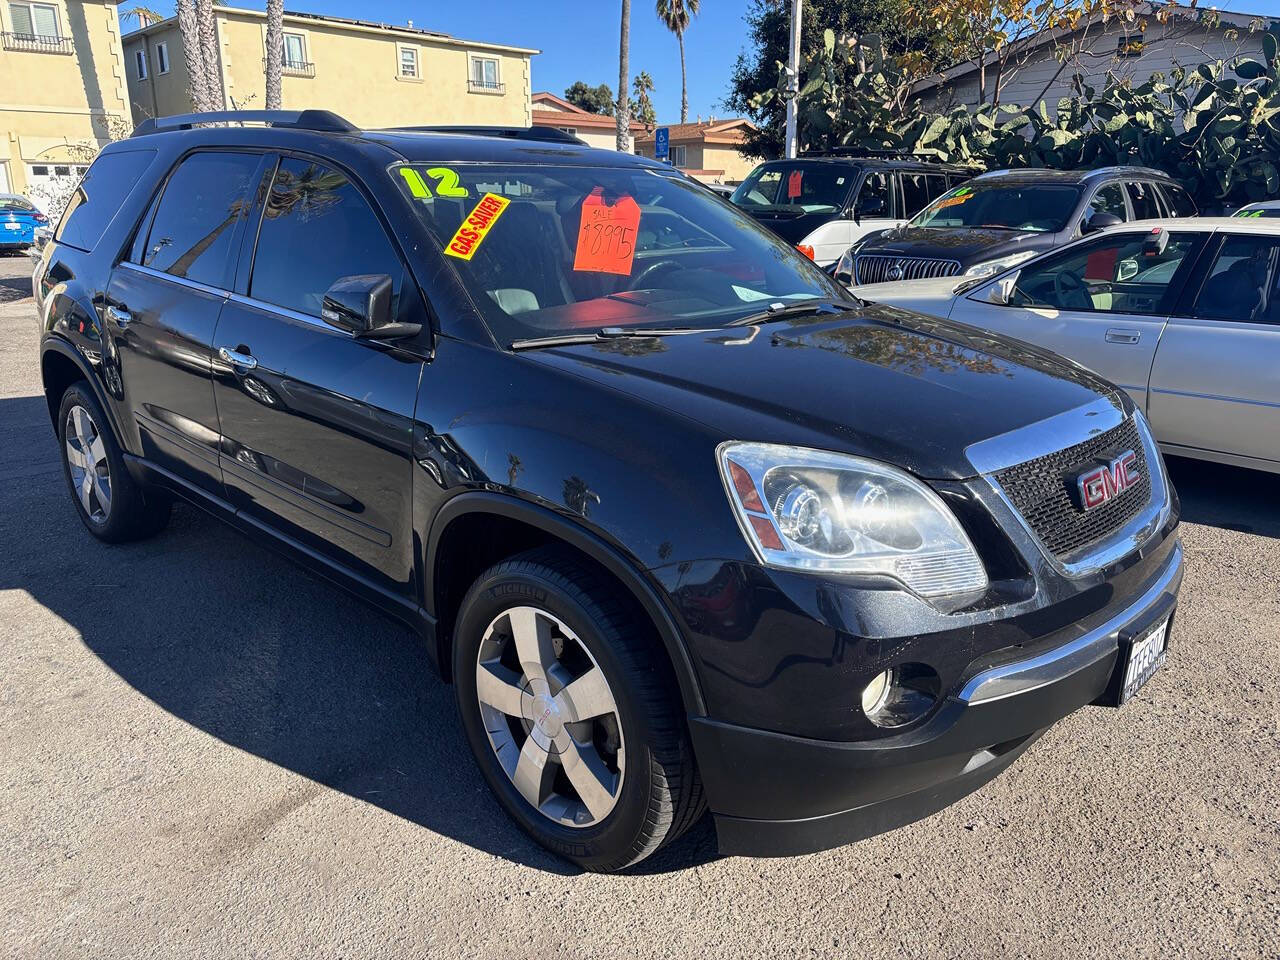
[(109, 502), (643, 790)]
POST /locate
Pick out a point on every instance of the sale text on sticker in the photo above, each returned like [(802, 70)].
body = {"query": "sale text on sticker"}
[(607, 234), (466, 241)]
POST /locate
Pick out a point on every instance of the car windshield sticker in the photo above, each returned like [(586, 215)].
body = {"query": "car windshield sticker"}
[(414, 181), (960, 196), (793, 184), (446, 182), (607, 234), (476, 227)]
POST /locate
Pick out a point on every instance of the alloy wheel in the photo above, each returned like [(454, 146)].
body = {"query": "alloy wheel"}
[(87, 460), (550, 716)]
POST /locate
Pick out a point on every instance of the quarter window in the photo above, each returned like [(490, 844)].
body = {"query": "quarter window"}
[(1242, 284), (1118, 274), (99, 195), (35, 21), (194, 231), (409, 62), (317, 229), (1178, 200)]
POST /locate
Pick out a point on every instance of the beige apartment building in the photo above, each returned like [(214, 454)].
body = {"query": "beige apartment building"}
[(707, 150), (375, 75), (594, 129), (62, 87)]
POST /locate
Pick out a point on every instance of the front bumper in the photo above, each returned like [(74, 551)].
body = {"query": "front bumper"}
[(774, 795)]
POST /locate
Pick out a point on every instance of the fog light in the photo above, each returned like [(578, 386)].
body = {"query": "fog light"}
[(875, 693)]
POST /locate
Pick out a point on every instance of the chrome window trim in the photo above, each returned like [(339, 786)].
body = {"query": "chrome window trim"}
[(279, 311), (172, 278), (1025, 676)]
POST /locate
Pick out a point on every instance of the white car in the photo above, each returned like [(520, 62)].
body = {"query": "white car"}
[(1184, 314)]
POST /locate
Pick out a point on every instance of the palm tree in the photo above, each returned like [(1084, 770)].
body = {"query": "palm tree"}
[(193, 55), (275, 52), (623, 114), (675, 15), (208, 33)]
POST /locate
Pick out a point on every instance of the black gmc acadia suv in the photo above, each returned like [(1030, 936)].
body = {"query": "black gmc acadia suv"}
[(684, 524)]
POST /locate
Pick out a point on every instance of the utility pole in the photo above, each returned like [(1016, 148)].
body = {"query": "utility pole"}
[(793, 78)]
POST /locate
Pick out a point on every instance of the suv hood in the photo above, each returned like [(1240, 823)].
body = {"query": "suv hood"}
[(878, 382), (969, 245), (791, 226)]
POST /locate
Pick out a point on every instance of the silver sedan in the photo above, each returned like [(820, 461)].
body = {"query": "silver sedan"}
[(1184, 314)]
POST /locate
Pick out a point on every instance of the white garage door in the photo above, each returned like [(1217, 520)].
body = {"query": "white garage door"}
[(4, 176)]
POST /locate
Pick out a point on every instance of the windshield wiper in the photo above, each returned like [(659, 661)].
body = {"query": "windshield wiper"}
[(781, 311), (604, 333)]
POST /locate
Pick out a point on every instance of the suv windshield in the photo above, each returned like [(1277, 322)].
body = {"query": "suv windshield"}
[(546, 250), (795, 188), (1034, 207)]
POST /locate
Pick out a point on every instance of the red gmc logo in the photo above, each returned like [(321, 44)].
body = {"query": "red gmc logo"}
[(1100, 484)]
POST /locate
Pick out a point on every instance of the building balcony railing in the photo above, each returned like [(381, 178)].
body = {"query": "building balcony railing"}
[(37, 43), (485, 86), (294, 68)]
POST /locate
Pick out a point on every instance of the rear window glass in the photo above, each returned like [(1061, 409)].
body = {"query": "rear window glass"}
[(100, 195)]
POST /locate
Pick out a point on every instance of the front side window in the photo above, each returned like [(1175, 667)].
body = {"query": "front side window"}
[(873, 197), (1110, 199), (99, 195), (1143, 198), (140, 64), (193, 232), (408, 62), (1242, 283), (796, 187), (1030, 207), (295, 51), (1119, 274), (317, 229), (35, 21), (546, 250)]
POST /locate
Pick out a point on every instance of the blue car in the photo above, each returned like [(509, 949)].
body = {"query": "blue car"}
[(18, 222)]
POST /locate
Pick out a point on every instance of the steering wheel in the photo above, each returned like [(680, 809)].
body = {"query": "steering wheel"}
[(1065, 285), (656, 267)]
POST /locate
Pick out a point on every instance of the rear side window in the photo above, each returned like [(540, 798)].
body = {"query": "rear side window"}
[(1143, 197), (317, 229), (1242, 284), (100, 195), (194, 231)]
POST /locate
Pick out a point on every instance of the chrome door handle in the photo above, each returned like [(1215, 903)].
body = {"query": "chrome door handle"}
[(242, 360), (1117, 335), (120, 316)]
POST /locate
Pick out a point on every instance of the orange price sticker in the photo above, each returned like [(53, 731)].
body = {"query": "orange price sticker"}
[(794, 183), (607, 234)]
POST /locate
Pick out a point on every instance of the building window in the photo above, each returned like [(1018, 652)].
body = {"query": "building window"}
[(162, 58), (1129, 46), (140, 64), (485, 75), (572, 131), (409, 62), (33, 21), (295, 51), (678, 155)]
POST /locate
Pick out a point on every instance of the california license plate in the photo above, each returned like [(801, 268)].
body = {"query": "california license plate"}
[(1146, 656), (13, 226)]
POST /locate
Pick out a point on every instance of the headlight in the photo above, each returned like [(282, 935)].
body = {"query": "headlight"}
[(812, 510), (989, 268)]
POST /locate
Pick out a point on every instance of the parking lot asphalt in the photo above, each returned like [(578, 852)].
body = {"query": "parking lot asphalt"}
[(206, 752)]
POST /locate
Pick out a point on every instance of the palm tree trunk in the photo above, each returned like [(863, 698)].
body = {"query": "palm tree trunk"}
[(209, 48), (684, 81), (193, 55), (275, 52), (623, 113)]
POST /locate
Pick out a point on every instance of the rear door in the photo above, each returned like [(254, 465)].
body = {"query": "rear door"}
[(317, 424), (1102, 303), (1215, 385), (162, 304)]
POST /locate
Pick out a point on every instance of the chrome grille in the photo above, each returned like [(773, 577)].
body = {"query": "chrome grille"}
[(1043, 491), (876, 268)]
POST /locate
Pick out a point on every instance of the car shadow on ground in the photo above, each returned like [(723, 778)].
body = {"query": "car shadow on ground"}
[(245, 646), (1233, 498)]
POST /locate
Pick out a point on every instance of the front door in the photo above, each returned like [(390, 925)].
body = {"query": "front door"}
[(1102, 304), (1215, 386), (317, 424), (162, 304)]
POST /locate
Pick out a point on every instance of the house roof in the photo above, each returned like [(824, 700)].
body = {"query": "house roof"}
[(559, 112), (1044, 37), (707, 131)]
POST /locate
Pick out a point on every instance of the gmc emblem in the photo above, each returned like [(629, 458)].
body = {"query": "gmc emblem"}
[(1100, 484)]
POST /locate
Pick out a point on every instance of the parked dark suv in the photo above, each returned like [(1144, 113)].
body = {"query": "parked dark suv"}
[(997, 220), (683, 526)]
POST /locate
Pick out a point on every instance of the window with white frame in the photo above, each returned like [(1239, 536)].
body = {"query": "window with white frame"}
[(678, 155), (295, 51), (35, 20), (485, 74), (409, 62), (140, 64), (572, 131), (162, 58)]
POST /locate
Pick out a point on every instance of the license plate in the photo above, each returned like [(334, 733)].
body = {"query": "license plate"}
[(1146, 656), (13, 226)]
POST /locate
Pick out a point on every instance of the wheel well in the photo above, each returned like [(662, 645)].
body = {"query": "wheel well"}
[(58, 372)]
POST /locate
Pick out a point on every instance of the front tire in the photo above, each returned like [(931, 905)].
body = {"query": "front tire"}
[(571, 709)]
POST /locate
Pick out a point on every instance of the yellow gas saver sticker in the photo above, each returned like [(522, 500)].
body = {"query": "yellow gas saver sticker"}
[(477, 226)]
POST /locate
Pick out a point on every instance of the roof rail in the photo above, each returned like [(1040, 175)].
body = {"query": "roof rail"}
[(543, 134), (323, 120), (870, 154)]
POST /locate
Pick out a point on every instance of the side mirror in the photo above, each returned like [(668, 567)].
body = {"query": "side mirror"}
[(1126, 270), (361, 305), (1099, 219), (1001, 292)]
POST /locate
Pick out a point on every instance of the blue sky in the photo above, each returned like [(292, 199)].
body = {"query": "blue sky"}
[(578, 40)]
